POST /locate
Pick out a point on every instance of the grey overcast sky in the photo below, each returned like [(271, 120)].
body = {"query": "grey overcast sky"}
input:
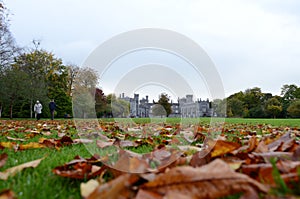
[(252, 43)]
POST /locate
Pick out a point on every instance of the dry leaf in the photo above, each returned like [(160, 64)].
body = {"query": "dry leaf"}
[(221, 147), (7, 194), (12, 171), (115, 189), (3, 159), (87, 188), (214, 180)]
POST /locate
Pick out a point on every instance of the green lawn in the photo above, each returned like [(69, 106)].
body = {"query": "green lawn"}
[(274, 122)]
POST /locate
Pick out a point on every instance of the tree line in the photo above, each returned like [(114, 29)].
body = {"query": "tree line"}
[(253, 103)]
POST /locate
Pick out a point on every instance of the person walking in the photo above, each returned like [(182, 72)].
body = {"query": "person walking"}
[(52, 107), (38, 109)]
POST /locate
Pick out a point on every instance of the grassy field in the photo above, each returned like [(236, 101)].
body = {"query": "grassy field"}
[(252, 121), (40, 182)]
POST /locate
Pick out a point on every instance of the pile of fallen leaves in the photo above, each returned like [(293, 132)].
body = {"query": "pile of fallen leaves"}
[(182, 161)]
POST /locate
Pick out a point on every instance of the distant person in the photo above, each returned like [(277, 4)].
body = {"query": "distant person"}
[(38, 109), (52, 107)]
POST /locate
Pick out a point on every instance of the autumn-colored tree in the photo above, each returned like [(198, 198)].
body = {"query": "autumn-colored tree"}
[(100, 100), (83, 94)]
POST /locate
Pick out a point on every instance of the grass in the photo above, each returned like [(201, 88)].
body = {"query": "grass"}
[(251, 121), (40, 182)]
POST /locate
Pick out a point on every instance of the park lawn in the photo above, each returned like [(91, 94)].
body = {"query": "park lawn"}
[(41, 182), (252, 121)]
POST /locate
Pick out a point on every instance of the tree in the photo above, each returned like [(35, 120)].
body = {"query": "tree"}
[(8, 50), (274, 106), (253, 102), (100, 100), (8, 47), (83, 94), (164, 102), (158, 110), (235, 107), (72, 72), (13, 87), (219, 107), (294, 109), (289, 93), (48, 78)]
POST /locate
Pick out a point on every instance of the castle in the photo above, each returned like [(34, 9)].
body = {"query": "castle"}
[(184, 107)]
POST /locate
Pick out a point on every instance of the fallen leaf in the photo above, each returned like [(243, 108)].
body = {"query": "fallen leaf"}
[(31, 145), (102, 144), (87, 188), (83, 141), (7, 194), (15, 139), (13, 170), (79, 168), (3, 159), (115, 189), (213, 180), (221, 147)]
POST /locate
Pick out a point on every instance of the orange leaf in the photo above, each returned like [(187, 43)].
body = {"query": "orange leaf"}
[(221, 147)]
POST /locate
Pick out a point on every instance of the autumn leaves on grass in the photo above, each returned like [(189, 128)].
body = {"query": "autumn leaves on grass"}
[(238, 161)]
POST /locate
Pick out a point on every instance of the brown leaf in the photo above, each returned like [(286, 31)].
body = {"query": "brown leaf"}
[(115, 189), (13, 170), (276, 144), (200, 158), (79, 168), (144, 194), (3, 158), (131, 162), (261, 147), (7, 194), (213, 180)]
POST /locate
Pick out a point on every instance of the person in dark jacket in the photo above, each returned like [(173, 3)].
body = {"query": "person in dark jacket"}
[(52, 107)]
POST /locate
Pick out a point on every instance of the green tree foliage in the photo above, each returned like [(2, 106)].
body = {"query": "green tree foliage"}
[(116, 107), (13, 86), (289, 93), (253, 102), (219, 106), (235, 107), (158, 110), (294, 109), (274, 107), (48, 79), (164, 102)]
